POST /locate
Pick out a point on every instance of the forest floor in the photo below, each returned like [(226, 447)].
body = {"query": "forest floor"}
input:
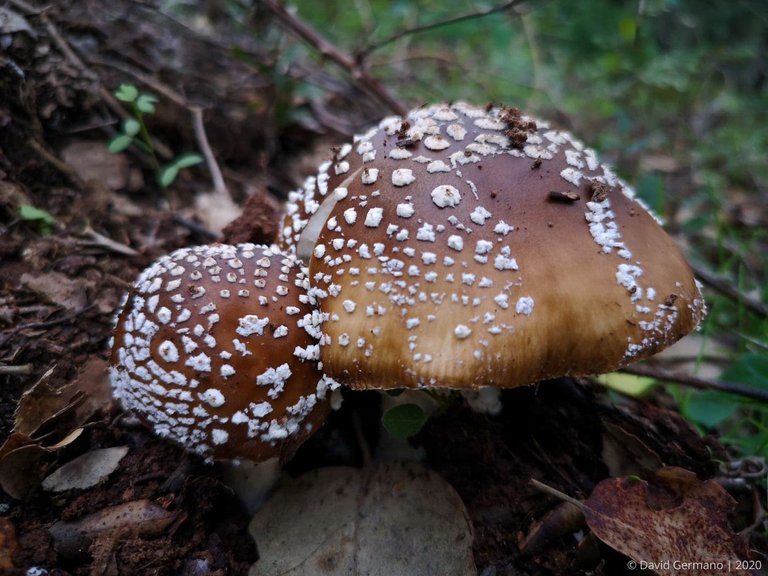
[(101, 219)]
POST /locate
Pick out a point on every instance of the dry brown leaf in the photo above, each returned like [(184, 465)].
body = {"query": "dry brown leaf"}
[(57, 288), (67, 440), (48, 419), (625, 454), (8, 545), (86, 470), (21, 469), (92, 379), (674, 526), (37, 405), (12, 22), (398, 519), (564, 519), (91, 160), (137, 518), (45, 412)]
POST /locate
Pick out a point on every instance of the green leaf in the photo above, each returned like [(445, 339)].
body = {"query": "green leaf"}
[(127, 93), (168, 175), (628, 384), (709, 408), (187, 160), (750, 369), (146, 103), (131, 127), (404, 420), (32, 213), (119, 143)]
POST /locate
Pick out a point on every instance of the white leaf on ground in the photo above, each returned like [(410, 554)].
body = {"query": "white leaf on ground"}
[(395, 519), (86, 470)]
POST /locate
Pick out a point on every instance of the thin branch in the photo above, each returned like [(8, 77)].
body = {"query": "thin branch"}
[(57, 163), (324, 47), (547, 489), (196, 228), (726, 288), (14, 370), (696, 381), (511, 4), (219, 185)]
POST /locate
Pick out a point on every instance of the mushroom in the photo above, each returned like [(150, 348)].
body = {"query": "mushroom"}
[(464, 247), (217, 348)]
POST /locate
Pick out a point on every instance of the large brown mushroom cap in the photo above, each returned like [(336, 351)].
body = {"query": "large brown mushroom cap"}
[(465, 246), (217, 350)]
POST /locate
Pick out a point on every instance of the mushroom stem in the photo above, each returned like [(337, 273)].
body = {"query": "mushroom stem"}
[(252, 482)]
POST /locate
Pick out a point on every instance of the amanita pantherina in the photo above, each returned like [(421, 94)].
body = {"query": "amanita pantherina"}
[(217, 349), (464, 247)]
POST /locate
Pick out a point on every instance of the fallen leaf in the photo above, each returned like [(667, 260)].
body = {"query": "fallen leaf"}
[(57, 288), (38, 404), (386, 520), (67, 440), (625, 454), (47, 414), (12, 22), (216, 209), (565, 519), (8, 545), (86, 470), (21, 469), (91, 160), (137, 518), (673, 526), (92, 380), (48, 419)]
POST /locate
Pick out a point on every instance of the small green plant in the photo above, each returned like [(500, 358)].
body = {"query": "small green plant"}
[(134, 132), (41, 219), (404, 420)]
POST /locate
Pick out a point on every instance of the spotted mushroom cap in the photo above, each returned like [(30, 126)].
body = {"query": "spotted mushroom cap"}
[(217, 349), (467, 246)]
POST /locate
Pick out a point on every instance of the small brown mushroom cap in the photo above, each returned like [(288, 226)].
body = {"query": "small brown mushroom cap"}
[(464, 247), (217, 350)]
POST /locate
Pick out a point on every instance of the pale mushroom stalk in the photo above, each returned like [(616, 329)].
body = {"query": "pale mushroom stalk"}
[(217, 350), (476, 247)]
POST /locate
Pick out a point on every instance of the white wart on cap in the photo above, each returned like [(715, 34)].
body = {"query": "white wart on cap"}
[(217, 350), (467, 246)]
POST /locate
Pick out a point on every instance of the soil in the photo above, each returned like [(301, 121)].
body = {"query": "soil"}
[(62, 280)]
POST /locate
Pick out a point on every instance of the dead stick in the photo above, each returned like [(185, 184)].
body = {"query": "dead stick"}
[(439, 24), (696, 381), (20, 369), (556, 493), (219, 186), (725, 287), (319, 43)]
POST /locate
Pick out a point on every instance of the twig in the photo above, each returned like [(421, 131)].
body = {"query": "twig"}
[(106, 242), (725, 287), (556, 493), (51, 323), (439, 24), (13, 370), (57, 163), (319, 43), (198, 229), (219, 186), (696, 381), (57, 38)]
